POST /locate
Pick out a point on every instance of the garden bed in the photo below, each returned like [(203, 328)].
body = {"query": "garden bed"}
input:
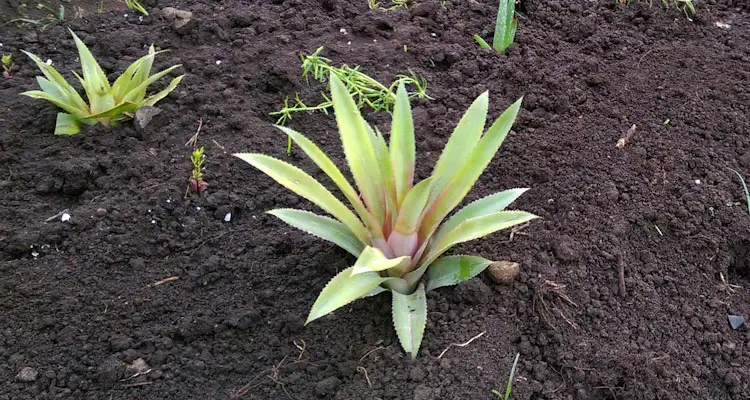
[(627, 280)]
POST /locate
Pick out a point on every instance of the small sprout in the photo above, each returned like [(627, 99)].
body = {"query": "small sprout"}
[(667, 121), (7, 61), (136, 6), (686, 6), (395, 5), (744, 186), (196, 182), (509, 386), (505, 27)]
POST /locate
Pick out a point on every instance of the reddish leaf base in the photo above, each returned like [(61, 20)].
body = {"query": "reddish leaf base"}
[(198, 186)]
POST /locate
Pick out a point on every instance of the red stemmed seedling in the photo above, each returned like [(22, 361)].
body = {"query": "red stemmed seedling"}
[(196, 182)]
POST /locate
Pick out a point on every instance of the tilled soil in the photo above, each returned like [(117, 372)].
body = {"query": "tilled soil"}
[(626, 281)]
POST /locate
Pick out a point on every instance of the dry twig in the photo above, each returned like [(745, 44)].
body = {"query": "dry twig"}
[(461, 344), (193, 141), (367, 378), (371, 351), (165, 280)]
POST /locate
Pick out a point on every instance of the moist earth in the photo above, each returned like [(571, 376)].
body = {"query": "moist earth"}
[(145, 293)]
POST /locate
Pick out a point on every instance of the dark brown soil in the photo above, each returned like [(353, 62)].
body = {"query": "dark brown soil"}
[(78, 299)]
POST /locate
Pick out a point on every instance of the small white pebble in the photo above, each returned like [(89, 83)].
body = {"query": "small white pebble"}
[(722, 25), (149, 210), (349, 43), (65, 217), (433, 34), (34, 254), (198, 208), (374, 40), (125, 15), (228, 217), (49, 61), (153, 221), (697, 181), (140, 19), (342, 30), (218, 62), (169, 200)]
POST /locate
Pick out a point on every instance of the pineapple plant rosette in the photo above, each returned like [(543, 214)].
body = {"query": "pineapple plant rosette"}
[(394, 225), (107, 104)]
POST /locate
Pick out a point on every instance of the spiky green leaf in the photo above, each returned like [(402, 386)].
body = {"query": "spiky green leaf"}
[(38, 94), (94, 80), (373, 260), (411, 209), (462, 142), (67, 124), (386, 169), (326, 165), (358, 149), (72, 97), (323, 227), (486, 205), (410, 318), (153, 99), (475, 228), (402, 149), (343, 289), (464, 178), (138, 93), (452, 270), (306, 186), (505, 25)]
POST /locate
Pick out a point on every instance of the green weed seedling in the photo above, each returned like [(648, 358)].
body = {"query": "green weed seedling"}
[(395, 5), (505, 27), (7, 61), (366, 90), (136, 6), (51, 17), (196, 182), (509, 385), (686, 6)]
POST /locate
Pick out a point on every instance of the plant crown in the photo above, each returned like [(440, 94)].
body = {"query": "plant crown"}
[(395, 230), (107, 104)]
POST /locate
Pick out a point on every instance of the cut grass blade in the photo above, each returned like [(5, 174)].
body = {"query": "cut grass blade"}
[(744, 186), (509, 386)]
